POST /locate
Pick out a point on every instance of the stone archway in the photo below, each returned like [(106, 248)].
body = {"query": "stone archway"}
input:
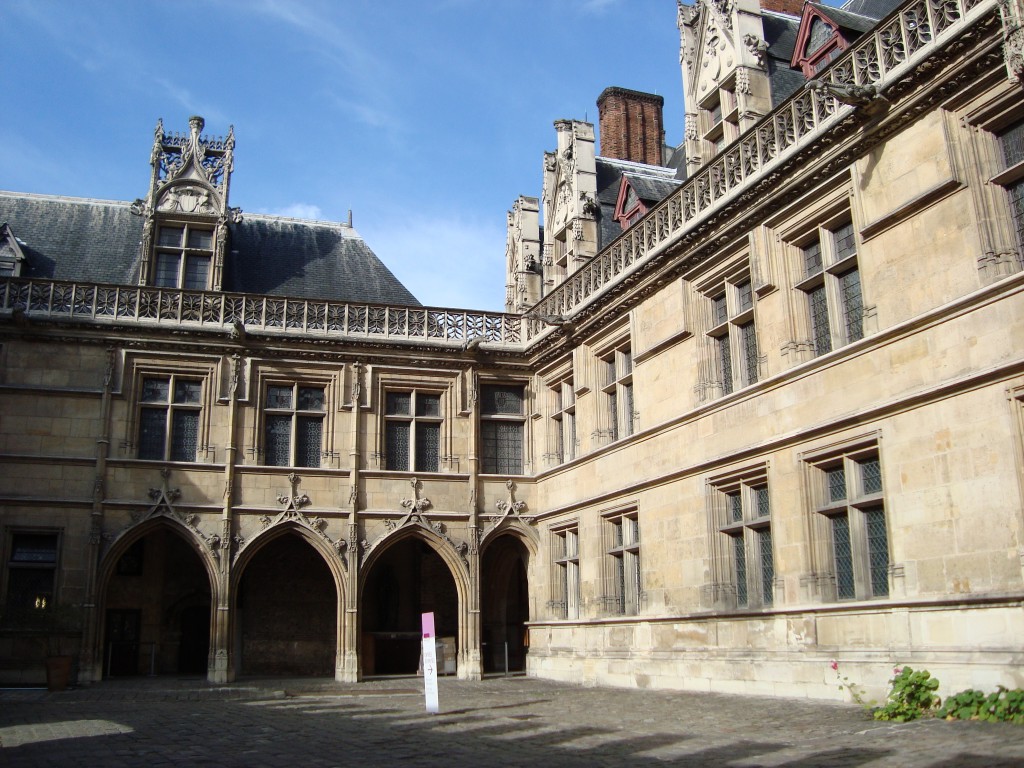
[(404, 581), (286, 611), (504, 604), (157, 606)]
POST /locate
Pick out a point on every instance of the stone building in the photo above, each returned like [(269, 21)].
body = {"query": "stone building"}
[(765, 413)]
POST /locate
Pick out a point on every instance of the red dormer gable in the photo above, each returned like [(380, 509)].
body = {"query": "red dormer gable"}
[(629, 208), (818, 41)]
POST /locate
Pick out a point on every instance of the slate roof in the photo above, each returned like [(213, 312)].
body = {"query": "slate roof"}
[(651, 182), (780, 31), (67, 238)]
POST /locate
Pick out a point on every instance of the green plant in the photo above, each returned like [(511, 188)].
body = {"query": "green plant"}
[(845, 684), (1004, 706), (911, 695)]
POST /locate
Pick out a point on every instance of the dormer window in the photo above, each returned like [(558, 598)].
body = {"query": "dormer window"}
[(11, 256), (183, 256), (819, 42)]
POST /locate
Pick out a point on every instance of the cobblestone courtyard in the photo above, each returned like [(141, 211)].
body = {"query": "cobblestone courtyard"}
[(497, 722)]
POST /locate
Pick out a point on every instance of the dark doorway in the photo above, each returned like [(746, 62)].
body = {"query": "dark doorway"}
[(195, 640), (504, 605), (158, 608), (408, 580), (287, 611), (121, 657)]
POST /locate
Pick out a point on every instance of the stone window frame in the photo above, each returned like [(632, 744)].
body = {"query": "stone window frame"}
[(840, 485), (987, 116), (566, 591), (562, 389), (329, 380), (417, 421), (743, 559), (140, 369), (52, 598), (728, 303), (719, 117), (494, 464), (175, 404), (624, 593), (184, 251), (825, 279)]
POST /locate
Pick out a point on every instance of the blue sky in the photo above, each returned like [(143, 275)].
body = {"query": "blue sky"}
[(427, 118)]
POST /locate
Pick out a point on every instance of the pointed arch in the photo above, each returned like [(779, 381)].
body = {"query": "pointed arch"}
[(312, 537), (445, 549), (140, 530), (516, 527)]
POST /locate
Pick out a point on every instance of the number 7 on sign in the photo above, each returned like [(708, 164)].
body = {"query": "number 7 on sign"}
[(429, 664)]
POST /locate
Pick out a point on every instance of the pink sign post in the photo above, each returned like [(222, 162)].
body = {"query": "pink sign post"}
[(430, 664)]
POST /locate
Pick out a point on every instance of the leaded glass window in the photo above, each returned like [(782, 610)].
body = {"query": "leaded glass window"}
[(502, 429), (748, 341), (564, 421), (626, 583), (878, 551), (168, 427), (853, 304), (618, 393), (725, 360), (566, 598), (764, 546), (832, 284), (851, 494), (820, 330), (740, 560), (732, 336), (293, 425), (845, 586), (412, 431), (502, 447), (743, 510)]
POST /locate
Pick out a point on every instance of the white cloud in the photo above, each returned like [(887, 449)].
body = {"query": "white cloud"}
[(296, 211)]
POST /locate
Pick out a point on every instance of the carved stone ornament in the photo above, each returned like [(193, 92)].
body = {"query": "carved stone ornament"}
[(510, 506), (163, 499), (292, 503), (1012, 14), (758, 49)]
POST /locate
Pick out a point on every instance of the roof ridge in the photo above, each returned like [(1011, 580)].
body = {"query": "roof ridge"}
[(341, 225), (66, 198)]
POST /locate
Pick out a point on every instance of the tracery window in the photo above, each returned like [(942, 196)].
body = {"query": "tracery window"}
[(169, 410), (412, 431), (502, 426), (293, 425)]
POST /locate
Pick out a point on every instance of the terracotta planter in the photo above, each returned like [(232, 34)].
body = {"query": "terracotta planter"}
[(58, 672)]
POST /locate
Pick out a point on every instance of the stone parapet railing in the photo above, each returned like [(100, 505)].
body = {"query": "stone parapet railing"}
[(209, 310), (894, 47)]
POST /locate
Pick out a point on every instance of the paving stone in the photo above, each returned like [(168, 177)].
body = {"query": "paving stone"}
[(495, 722)]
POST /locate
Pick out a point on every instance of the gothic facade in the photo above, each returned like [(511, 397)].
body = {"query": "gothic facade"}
[(756, 403)]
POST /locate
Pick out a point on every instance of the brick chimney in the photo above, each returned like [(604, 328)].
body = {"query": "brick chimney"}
[(792, 7), (631, 125)]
